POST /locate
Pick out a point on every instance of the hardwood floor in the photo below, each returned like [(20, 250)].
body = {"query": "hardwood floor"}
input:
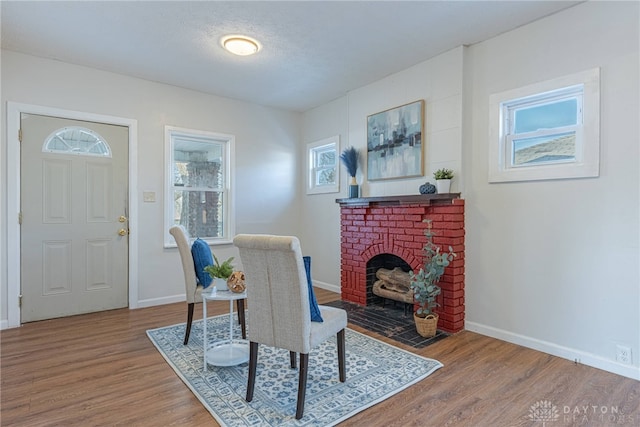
[(100, 369)]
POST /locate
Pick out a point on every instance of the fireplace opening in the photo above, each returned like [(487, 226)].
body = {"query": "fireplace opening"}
[(388, 278)]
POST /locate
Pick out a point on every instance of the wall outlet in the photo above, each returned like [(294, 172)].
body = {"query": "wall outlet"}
[(623, 354)]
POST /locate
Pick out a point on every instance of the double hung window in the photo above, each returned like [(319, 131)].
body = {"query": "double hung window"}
[(544, 128), (198, 189), (547, 130), (322, 164)]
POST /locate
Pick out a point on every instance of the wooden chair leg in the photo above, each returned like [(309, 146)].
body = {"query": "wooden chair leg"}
[(302, 384), (341, 359), (292, 358), (253, 364), (241, 319), (187, 332)]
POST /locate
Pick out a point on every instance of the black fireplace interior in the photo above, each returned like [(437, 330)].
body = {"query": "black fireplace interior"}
[(388, 261)]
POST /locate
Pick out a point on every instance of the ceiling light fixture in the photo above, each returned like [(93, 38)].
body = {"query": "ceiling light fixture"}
[(240, 45)]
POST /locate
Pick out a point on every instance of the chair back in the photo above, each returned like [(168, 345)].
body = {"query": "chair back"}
[(277, 292), (184, 247)]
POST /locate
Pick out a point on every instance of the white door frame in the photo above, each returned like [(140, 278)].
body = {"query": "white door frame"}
[(13, 197)]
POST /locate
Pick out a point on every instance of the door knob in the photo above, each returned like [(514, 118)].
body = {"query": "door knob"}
[(122, 218), (122, 232)]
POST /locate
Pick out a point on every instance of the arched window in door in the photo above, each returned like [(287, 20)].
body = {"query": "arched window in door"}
[(76, 140)]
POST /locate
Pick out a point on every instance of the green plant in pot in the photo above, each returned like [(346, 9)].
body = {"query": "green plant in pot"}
[(220, 272), (443, 179), (425, 284)]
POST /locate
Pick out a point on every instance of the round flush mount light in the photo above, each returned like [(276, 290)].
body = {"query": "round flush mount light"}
[(240, 45)]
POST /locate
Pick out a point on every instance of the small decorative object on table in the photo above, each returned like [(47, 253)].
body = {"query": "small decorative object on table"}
[(425, 284), (236, 282), (427, 188), (443, 179), (220, 273), (349, 158)]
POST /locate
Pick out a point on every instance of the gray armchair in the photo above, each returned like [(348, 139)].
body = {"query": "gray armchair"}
[(279, 313), (192, 288)]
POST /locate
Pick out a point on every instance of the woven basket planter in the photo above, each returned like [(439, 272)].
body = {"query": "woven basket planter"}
[(426, 326)]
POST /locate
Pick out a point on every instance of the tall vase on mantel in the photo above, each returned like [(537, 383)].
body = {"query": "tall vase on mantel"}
[(354, 188), (349, 158)]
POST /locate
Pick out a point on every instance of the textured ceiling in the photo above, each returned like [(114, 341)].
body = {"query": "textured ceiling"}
[(313, 51)]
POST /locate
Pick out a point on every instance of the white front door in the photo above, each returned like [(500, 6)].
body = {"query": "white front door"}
[(74, 209)]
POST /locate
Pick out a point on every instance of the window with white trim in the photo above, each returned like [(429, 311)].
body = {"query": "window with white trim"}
[(547, 130), (322, 165), (198, 192)]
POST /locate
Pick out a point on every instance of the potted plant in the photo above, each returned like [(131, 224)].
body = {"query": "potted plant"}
[(349, 158), (220, 273), (425, 284), (443, 179)]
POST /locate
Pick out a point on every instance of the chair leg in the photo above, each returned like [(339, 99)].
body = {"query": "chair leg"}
[(302, 384), (253, 364), (292, 358), (241, 319), (341, 359), (187, 332)]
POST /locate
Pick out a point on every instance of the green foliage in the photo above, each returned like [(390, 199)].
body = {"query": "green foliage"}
[(221, 271), (443, 174), (349, 158), (425, 283)]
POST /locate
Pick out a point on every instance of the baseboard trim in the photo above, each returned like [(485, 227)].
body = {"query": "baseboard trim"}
[(182, 298), (161, 301), (327, 286), (4, 323), (595, 361)]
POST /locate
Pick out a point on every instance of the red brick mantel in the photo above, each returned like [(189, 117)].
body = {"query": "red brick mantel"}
[(395, 225)]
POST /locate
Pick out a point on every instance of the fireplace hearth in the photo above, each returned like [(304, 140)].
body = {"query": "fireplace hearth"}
[(388, 233), (389, 321)]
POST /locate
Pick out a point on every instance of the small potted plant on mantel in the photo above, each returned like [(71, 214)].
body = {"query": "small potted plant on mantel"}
[(443, 179), (220, 273), (425, 284)]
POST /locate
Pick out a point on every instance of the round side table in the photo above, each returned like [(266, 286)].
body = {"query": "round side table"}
[(227, 352)]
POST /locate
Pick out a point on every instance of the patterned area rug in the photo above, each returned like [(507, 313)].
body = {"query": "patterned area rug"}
[(375, 371)]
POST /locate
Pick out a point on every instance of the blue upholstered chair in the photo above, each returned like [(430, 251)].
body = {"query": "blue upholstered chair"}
[(279, 314)]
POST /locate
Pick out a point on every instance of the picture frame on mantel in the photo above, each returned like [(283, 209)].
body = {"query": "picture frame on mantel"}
[(394, 142)]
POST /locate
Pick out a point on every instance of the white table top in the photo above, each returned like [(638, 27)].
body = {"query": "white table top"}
[(215, 295)]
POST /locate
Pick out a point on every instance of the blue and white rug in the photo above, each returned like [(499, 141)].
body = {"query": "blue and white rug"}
[(375, 371)]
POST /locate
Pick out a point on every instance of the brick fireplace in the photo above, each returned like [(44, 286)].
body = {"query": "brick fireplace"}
[(375, 228)]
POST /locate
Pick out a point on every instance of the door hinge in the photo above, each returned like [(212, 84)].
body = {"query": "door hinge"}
[(20, 217), (20, 134), (19, 300)]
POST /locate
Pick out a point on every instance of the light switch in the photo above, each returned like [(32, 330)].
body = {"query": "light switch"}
[(149, 196)]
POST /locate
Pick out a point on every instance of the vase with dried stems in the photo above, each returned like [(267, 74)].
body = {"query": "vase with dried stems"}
[(349, 159)]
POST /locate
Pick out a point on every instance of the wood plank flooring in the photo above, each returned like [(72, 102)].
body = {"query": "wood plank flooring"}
[(100, 369)]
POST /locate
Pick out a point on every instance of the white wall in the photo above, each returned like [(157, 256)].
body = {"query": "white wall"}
[(551, 265), (438, 82), (267, 147), (554, 264), (320, 214)]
